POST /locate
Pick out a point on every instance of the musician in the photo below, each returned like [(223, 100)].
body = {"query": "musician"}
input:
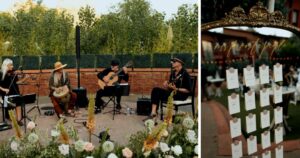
[(123, 75), (181, 83), (9, 85), (59, 80)]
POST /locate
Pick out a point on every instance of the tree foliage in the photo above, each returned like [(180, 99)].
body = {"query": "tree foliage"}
[(131, 27)]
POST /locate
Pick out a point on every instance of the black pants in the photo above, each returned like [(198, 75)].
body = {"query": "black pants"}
[(160, 94), (108, 91)]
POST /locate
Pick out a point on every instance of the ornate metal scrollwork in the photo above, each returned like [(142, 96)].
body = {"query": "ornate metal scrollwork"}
[(258, 16)]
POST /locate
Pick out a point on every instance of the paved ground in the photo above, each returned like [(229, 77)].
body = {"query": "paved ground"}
[(120, 128), (209, 136)]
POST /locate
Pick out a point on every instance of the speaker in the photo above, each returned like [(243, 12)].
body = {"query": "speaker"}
[(77, 43), (82, 100), (143, 106)]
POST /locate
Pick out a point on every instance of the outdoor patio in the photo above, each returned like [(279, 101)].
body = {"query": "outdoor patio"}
[(120, 128)]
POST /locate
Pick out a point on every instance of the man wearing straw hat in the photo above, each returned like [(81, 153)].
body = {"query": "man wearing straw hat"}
[(62, 97)]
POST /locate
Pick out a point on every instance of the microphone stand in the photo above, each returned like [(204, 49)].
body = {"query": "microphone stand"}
[(38, 94)]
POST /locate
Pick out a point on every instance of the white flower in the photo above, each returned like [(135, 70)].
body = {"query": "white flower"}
[(108, 146), (188, 122), (127, 152), (147, 153), (112, 155), (165, 133), (164, 147), (89, 157), (169, 156), (14, 146), (64, 149), (196, 149), (55, 133), (30, 125), (33, 138), (177, 150), (89, 146), (191, 136), (149, 123), (79, 145)]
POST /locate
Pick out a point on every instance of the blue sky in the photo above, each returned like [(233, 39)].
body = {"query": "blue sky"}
[(101, 6)]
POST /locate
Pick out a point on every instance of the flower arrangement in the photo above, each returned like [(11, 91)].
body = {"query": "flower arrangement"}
[(170, 138)]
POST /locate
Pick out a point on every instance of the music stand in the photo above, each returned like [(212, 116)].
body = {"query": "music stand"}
[(38, 95), (112, 92)]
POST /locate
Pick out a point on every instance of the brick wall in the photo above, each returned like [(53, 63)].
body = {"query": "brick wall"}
[(141, 80)]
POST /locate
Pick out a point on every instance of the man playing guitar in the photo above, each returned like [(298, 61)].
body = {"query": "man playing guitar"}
[(105, 77), (179, 80), (62, 97)]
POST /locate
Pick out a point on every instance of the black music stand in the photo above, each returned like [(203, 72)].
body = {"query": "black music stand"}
[(112, 92)]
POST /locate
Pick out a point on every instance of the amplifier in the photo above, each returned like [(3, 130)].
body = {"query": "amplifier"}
[(82, 100), (143, 106)]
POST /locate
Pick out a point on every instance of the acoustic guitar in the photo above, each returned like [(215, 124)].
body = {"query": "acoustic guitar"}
[(112, 77)]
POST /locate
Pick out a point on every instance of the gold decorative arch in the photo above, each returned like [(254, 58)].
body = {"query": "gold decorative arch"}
[(258, 16)]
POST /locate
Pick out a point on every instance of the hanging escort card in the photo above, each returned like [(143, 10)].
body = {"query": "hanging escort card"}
[(232, 78), (279, 151), (265, 119), (252, 145), (266, 154), (265, 139), (251, 123), (278, 135), (277, 70), (277, 94), (264, 74), (235, 127), (249, 76), (278, 115), (234, 103), (236, 149), (250, 100), (264, 97)]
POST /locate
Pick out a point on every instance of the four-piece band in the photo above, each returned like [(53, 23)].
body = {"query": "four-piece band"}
[(64, 100)]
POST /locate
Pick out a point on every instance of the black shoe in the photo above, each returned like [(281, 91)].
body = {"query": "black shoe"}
[(20, 123), (118, 107), (97, 110)]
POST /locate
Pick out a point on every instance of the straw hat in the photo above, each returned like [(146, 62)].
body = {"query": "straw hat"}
[(58, 65)]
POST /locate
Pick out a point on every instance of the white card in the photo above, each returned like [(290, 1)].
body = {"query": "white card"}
[(236, 149), (232, 78), (265, 140), (235, 127), (278, 135), (264, 97), (266, 154), (265, 119), (264, 74), (234, 103), (250, 100), (251, 123), (252, 145), (249, 76), (277, 71), (279, 151), (277, 94), (278, 115)]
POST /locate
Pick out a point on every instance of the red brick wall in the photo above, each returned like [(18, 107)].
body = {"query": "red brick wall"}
[(140, 80)]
